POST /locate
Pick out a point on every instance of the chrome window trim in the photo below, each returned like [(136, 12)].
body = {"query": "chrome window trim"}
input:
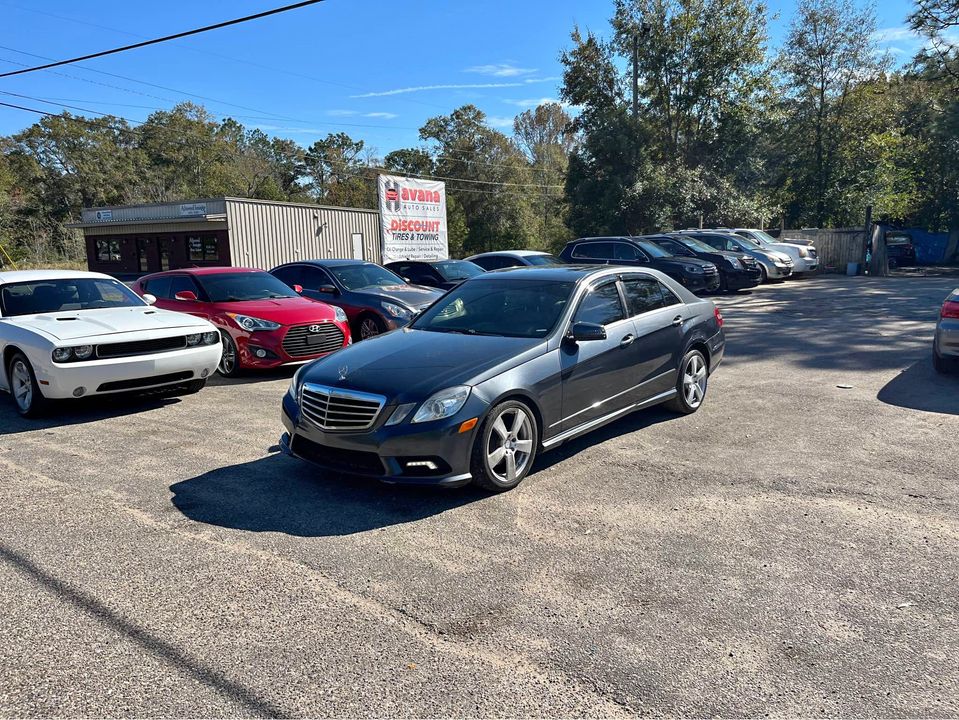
[(612, 397)]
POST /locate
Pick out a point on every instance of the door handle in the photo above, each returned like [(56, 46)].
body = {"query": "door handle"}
[(627, 340), (678, 320)]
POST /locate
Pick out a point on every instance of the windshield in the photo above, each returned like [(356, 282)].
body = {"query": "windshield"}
[(356, 277), (763, 237), (694, 244), (49, 296), (453, 270), (543, 260), (652, 249), (238, 287), (509, 308)]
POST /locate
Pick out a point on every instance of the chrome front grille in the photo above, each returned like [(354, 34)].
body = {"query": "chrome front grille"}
[(315, 339), (340, 410)]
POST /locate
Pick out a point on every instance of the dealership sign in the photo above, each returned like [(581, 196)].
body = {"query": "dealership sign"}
[(412, 219)]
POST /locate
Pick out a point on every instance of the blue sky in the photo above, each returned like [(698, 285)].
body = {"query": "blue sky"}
[(376, 69)]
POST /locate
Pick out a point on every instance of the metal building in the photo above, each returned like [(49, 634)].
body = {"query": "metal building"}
[(238, 232)]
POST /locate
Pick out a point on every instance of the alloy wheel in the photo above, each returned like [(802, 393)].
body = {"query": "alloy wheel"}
[(368, 329), (694, 381), (22, 385), (510, 445), (228, 359)]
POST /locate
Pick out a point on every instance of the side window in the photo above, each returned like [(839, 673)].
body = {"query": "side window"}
[(496, 262), (401, 269), (159, 287), (594, 251), (642, 295), (714, 242), (625, 251), (182, 283), (419, 274), (289, 275), (313, 277), (669, 297), (601, 306)]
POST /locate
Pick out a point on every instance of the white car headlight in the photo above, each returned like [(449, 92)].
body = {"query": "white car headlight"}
[(443, 404), (398, 311), (253, 324), (734, 263), (194, 339), (339, 314), (62, 354), (803, 252), (211, 338)]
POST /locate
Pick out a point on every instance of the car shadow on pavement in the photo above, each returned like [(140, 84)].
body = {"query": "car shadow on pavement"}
[(920, 387), (281, 494), (78, 412), (254, 376)]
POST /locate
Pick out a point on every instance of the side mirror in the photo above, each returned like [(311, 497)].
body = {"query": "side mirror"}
[(149, 299), (298, 289), (187, 295), (328, 289), (584, 332)]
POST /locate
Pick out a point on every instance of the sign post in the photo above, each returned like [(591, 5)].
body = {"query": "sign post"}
[(412, 219)]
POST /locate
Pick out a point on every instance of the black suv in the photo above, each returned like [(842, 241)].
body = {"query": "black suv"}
[(442, 274), (737, 271), (695, 274)]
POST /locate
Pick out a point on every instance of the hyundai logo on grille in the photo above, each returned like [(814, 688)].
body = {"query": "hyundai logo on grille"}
[(315, 328)]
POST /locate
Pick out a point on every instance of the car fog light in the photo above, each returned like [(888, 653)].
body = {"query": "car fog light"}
[(62, 354), (428, 464), (211, 338), (193, 339), (260, 353), (204, 373), (80, 392)]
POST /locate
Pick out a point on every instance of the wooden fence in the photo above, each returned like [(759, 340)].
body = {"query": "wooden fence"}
[(836, 246)]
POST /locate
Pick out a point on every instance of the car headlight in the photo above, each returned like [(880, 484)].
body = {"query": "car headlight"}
[(443, 404), (339, 314), (83, 352), (734, 263), (253, 323), (803, 252), (399, 415), (694, 269), (62, 354), (211, 338), (194, 339), (398, 311)]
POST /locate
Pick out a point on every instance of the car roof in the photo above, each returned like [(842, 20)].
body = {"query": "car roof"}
[(331, 262), (10, 276), (556, 273), (509, 253), (218, 270)]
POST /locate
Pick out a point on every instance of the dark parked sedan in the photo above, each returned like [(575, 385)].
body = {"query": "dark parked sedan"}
[(737, 271), (375, 299), (503, 259), (504, 366), (693, 273), (441, 274)]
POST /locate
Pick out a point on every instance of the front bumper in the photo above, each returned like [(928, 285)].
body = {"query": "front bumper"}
[(947, 338), (779, 272), (127, 374), (804, 265), (269, 344), (383, 452), (699, 283), (743, 279)]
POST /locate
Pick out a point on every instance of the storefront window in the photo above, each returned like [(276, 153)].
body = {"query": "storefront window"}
[(203, 247), (108, 250)]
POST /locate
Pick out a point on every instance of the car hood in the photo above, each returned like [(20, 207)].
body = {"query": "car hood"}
[(85, 324), (411, 296), (675, 261), (286, 311), (410, 365)]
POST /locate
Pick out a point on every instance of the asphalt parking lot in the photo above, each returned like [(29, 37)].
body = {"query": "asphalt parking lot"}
[(790, 549)]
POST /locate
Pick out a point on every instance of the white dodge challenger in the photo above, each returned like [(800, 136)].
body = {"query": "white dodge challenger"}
[(70, 334)]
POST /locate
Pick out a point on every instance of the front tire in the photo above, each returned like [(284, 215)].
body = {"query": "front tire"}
[(691, 384), (24, 389), (369, 326), (230, 359), (765, 274), (505, 447)]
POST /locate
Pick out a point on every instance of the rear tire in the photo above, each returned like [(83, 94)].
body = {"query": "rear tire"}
[(24, 389), (691, 385), (505, 447)]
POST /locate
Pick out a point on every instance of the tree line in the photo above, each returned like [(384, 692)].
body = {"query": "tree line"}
[(723, 131)]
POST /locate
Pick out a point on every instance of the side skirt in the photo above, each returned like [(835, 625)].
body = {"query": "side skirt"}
[(600, 421)]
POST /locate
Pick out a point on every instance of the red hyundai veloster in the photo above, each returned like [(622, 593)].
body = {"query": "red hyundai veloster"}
[(263, 323)]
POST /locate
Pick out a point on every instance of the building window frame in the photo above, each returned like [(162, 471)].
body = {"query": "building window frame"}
[(108, 250)]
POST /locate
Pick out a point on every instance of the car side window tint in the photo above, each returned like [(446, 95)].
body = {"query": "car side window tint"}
[(158, 287), (601, 306), (642, 295), (669, 297), (289, 275), (594, 251), (625, 251), (183, 283), (313, 277), (418, 274)]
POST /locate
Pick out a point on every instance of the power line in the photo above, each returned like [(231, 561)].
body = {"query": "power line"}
[(166, 38)]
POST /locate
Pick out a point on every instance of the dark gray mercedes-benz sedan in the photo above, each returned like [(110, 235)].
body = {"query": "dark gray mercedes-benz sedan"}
[(508, 364)]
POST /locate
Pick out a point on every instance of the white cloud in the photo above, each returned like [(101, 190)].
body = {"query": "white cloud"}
[(534, 102), (500, 70), (497, 121), (424, 88), (895, 34), (341, 113), (382, 115), (553, 78)]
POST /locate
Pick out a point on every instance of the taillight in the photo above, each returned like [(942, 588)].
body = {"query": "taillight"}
[(950, 309), (719, 315)]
